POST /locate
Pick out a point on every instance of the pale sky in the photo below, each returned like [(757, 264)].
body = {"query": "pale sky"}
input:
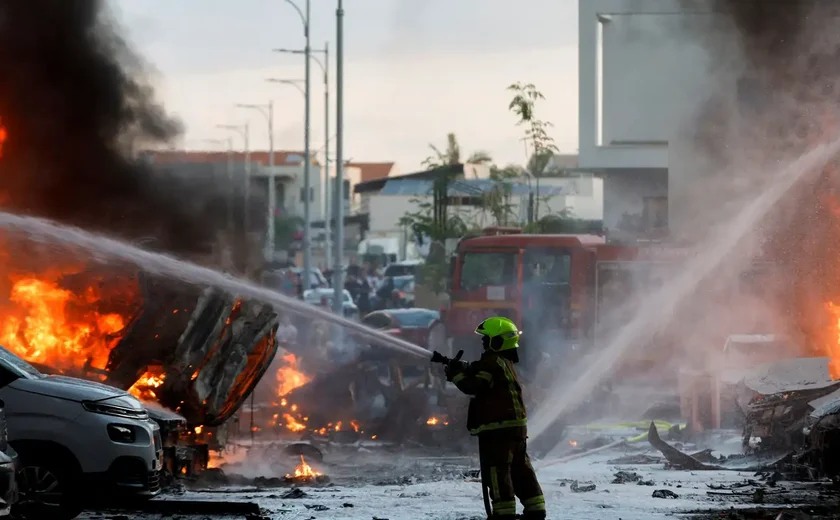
[(414, 71)]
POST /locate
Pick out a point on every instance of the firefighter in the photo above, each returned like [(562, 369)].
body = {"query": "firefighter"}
[(497, 417)]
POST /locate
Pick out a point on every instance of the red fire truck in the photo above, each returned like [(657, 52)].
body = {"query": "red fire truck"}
[(556, 287)]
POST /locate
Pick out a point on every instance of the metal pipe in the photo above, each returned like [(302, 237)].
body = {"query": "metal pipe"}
[(338, 202), (328, 178), (307, 169), (271, 230)]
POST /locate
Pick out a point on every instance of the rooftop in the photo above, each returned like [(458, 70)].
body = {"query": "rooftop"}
[(460, 187), (261, 157)]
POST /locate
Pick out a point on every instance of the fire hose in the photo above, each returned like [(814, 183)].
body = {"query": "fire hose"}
[(380, 338)]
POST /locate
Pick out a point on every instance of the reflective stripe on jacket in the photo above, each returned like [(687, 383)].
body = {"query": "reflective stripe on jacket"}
[(496, 394)]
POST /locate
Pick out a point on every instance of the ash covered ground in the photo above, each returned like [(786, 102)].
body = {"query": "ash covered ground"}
[(370, 481)]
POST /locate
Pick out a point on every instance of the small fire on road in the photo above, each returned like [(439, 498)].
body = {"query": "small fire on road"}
[(304, 473)]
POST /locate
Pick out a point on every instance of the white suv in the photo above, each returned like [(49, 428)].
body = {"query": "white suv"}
[(76, 440)]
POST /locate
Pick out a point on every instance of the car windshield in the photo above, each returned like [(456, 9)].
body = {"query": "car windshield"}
[(402, 282), (480, 269), (415, 319), (400, 269), (18, 365)]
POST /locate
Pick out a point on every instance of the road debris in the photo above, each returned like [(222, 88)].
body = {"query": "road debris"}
[(664, 493), (582, 487)]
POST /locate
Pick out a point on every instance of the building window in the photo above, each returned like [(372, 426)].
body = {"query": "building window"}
[(311, 194), (346, 190)]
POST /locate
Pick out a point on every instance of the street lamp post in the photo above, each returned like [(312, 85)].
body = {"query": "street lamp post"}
[(268, 112), (338, 200), (244, 132), (325, 67), (307, 217)]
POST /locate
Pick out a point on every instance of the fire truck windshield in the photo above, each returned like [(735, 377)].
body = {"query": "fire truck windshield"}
[(480, 269)]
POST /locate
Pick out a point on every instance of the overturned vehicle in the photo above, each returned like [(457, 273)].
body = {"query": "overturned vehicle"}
[(192, 354)]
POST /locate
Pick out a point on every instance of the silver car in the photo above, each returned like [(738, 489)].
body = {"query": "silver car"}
[(324, 297)]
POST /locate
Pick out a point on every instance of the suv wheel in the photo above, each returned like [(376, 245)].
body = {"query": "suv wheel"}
[(45, 486)]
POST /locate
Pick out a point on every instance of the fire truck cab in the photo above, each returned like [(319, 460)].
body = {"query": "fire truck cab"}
[(542, 282)]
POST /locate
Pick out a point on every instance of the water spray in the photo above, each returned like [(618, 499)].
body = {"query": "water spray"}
[(565, 395), (105, 248)]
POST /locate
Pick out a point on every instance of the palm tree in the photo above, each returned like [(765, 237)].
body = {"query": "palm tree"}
[(452, 155)]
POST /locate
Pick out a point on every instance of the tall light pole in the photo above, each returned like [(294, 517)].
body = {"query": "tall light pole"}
[(307, 217), (338, 200), (267, 111), (244, 132), (325, 67)]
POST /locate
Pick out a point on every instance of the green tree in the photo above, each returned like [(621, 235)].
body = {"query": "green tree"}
[(451, 155), (543, 148), (285, 228)]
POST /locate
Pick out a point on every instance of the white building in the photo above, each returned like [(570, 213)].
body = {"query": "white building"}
[(575, 197), (642, 75)]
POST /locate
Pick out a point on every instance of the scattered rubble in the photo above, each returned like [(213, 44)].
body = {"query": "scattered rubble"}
[(625, 477), (584, 487), (664, 493)]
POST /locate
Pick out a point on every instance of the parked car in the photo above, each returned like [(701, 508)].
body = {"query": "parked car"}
[(419, 326), (76, 440), (404, 268), (395, 292), (8, 461), (324, 298), (317, 278)]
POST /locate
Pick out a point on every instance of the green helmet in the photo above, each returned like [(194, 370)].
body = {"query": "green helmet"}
[(503, 328)]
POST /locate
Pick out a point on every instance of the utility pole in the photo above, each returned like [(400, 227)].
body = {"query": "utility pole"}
[(327, 213), (306, 278), (338, 199), (268, 112), (325, 67), (244, 132)]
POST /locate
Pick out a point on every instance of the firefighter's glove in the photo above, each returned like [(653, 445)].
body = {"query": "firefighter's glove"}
[(452, 369)]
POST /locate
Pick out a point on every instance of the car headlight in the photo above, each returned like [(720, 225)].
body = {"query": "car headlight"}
[(116, 411), (122, 433)]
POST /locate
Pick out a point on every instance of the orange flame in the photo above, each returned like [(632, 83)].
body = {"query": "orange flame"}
[(53, 326), (289, 376), (144, 388), (434, 421), (304, 471), (832, 349), (4, 134), (293, 424)]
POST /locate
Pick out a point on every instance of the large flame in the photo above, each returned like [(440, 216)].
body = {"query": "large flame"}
[(289, 376), (304, 471), (48, 324), (832, 349)]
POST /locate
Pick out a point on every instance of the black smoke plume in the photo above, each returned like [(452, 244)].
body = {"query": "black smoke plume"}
[(77, 103)]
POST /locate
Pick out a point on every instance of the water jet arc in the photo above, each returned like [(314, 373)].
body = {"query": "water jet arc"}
[(105, 248)]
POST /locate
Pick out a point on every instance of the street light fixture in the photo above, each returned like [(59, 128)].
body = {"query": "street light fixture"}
[(244, 132), (325, 68), (228, 142), (338, 200), (305, 18), (267, 111)]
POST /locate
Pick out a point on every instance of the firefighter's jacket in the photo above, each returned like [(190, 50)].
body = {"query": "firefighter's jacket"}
[(496, 394)]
